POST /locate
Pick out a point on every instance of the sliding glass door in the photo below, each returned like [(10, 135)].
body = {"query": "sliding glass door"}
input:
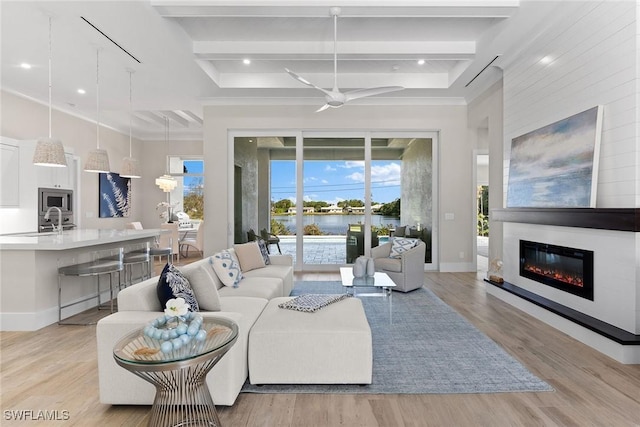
[(331, 196)]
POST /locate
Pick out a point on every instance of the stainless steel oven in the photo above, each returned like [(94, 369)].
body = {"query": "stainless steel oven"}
[(55, 198)]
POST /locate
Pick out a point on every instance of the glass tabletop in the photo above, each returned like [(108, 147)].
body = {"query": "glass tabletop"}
[(379, 279), (137, 348)]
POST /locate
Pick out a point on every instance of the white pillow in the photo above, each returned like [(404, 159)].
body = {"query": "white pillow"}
[(226, 268), (400, 245), (204, 287), (249, 256)]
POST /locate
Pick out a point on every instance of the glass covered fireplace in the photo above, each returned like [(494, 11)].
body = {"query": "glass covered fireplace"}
[(568, 269)]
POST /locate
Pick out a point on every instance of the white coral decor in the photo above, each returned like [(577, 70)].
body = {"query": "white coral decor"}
[(176, 307)]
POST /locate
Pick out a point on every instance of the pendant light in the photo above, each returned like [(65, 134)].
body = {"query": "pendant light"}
[(49, 151), (166, 182), (98, 160), (130, 167)]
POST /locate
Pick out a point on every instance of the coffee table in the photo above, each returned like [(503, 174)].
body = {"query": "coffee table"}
[(182, 396), (381, 282)]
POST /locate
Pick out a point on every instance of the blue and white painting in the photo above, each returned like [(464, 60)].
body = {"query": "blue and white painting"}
[(557, 166), (115, 195)]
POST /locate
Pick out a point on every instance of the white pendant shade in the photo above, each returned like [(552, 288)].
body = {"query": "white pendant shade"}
[(166, 183), (49, 152), (98, 161), (130, 168)]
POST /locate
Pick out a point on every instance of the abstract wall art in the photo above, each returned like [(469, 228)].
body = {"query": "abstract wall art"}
[(115, 195), (556, 166)]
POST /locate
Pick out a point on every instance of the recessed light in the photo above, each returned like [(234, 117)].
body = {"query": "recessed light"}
[(420, 61), (246, 61), (82, 91), (25, 66), (546, 60), (395, 67)]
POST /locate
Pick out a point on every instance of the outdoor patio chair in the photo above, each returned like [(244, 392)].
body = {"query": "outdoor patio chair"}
[(270, 239)]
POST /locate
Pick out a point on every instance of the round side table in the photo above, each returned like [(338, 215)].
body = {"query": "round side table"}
[(182, 396)]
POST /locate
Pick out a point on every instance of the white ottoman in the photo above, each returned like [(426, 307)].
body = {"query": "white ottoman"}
[(330, 346)]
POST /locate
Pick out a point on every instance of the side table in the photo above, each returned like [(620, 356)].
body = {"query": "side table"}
[(182, 396)]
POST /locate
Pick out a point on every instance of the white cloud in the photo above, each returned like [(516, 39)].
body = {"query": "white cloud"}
[(388, 174), (353, 164), (329, 168)]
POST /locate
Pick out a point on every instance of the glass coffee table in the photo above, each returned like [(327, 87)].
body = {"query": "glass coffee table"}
[(381, 285), (182, 397)]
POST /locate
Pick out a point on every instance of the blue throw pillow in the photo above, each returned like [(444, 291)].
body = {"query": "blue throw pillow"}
[(173, 284), (264, 251)]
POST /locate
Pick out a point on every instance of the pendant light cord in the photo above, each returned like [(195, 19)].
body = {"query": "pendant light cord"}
[(49, 77), (98, 99), (130, 111)]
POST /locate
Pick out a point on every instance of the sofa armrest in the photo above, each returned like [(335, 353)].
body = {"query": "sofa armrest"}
[(281, 260), (140, 297), (381, 251)]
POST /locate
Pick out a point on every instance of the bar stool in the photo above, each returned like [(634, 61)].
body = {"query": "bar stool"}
[(103, 262), (160, 251), (137, 254)]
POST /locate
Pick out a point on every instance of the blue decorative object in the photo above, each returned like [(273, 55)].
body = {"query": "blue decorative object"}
[(176, 332)]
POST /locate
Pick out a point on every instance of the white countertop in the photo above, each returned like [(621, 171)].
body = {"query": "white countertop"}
[(70, 239)]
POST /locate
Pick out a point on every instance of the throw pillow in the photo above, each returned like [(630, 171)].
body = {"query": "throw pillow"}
[(226, 268), (264, 251), (402, 244), (249, 256), (204, 287), (173, 284)]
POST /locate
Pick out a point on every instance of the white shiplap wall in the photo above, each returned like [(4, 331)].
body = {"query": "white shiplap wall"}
[(593, 51)]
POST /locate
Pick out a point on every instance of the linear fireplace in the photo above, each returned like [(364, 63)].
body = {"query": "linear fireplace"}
[(568, 269)]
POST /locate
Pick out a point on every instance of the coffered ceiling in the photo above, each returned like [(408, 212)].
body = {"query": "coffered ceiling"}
[(187, 54)]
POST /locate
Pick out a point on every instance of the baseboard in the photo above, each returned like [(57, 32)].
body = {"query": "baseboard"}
[(456, 267), (32, 321), (626, 354)]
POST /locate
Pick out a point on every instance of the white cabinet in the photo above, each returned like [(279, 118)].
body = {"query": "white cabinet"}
[(9, 175), (64, 178)]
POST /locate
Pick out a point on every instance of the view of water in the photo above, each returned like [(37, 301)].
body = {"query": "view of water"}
[(335, 224)]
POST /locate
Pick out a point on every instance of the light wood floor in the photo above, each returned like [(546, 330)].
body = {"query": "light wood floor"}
[(55, 369)]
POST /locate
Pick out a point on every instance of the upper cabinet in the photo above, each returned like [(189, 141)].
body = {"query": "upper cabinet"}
[(9, 175), (64, 178)]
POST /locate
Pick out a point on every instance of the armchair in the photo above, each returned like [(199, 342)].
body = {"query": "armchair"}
[(407, 272)]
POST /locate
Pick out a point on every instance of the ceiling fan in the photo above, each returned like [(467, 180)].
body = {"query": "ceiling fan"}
[(334, 97)]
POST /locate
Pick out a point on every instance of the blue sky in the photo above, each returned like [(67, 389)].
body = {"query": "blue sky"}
[(193, 166), (333, 181)]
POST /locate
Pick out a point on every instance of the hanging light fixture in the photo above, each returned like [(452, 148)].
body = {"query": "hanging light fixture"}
[(98, 160), (166, 182), (49, 151), (130, 167)]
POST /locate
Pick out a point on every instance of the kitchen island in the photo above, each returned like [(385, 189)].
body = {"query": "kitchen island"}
[(29, 272)]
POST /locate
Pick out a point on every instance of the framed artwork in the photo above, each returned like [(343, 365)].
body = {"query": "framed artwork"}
[(556, 166), (115, 195)]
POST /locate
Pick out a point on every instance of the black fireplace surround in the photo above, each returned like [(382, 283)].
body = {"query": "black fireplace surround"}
[(567, 269)]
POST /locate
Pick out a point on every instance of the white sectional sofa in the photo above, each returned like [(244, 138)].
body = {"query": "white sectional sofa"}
[(139, 304)]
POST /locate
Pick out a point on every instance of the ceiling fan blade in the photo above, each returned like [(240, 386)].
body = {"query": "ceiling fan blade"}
[(305, 81), (361, 93), (324, 107)]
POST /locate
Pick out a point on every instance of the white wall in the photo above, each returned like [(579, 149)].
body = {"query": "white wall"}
[(454, 154), (594, 61), (593, 53)]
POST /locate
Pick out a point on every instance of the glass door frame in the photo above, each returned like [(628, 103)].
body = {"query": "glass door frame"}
[(299, 135)]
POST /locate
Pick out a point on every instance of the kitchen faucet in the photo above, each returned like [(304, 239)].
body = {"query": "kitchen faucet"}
[(46, 216)]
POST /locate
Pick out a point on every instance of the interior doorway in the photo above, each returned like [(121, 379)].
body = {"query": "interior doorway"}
[(481, 176)]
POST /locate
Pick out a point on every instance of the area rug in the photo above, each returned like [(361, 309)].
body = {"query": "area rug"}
[(428, 348)]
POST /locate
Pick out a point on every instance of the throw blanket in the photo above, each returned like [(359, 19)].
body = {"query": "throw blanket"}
[(310, 303)]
